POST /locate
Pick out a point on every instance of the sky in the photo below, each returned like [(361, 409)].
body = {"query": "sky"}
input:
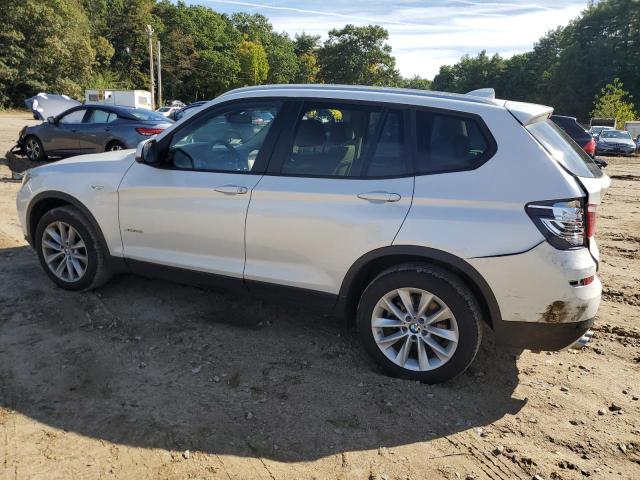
[(423, 34)]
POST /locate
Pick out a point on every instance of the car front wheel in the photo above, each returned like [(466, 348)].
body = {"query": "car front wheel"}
[(33, 148), (420, 322), (70, 250)]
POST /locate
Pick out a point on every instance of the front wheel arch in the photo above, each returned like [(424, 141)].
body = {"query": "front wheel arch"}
[(46, 201), (371, 264)]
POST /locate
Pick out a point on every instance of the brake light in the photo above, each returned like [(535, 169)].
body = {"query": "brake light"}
[(592, 217), (148, 130), (590, 147), (562, 222)]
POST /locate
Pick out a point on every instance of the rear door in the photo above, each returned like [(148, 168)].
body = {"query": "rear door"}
[(95, 132), (338, 186)]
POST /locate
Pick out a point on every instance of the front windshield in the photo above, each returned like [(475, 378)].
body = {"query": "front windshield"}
[(615, 134)]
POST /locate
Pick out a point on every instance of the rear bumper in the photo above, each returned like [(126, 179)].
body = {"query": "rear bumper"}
[(540, 336)]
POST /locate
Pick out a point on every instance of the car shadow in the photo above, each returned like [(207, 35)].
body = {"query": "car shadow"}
[(157, 365)]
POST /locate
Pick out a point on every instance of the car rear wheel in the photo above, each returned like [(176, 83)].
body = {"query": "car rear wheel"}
[(115, 145), (420, 322), (70, 250), (33, 148)]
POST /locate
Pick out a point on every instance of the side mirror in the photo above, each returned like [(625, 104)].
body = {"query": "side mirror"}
[(147, 151), (51, 120)]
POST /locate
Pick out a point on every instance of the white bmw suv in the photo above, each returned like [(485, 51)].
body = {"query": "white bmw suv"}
[(424, 216)]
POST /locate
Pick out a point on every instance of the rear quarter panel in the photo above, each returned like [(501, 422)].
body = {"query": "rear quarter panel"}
[(480, 212)]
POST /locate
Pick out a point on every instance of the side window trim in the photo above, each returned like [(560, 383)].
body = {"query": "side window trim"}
[(264, 154)]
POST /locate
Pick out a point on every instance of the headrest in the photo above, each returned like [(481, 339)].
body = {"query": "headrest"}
[(340, 132), (310, 134)]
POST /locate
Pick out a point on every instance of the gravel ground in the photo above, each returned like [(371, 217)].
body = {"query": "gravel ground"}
[(146, 379)]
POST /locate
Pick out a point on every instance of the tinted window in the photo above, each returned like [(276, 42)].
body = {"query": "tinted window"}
[(446, 142), (344, 140), (331, 140), (101, 116), (142, 114), (564, 150), (388, 156), (74, 117), (228, 141), (570, 126)]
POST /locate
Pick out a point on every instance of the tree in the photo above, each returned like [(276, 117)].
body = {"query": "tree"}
[(470, 73), (283, 63), (416, 82), (254, 66), (209, 41), (614, 102), (306, 47), (38, 61), (358, 55)]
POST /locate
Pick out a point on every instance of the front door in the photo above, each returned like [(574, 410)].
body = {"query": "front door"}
[(190, 211), (62, 137), (338, 187)]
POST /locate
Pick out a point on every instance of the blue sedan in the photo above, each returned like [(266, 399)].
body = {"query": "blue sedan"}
[(90, 129)]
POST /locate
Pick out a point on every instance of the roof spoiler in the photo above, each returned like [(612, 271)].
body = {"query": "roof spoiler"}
[(483, 93)]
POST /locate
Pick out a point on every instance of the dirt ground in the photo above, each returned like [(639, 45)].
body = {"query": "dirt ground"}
[(146, 379)]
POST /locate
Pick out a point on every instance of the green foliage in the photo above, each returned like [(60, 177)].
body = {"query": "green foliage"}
[(65, 46), (358, 55), (614, 102), (416, 82), (254, 66)]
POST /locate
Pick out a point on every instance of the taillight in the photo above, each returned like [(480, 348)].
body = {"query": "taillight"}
[(591, 220), (562, 222), (148, 131), (590, 147)]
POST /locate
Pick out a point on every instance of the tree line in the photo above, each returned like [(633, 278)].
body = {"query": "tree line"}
[(65, 46)]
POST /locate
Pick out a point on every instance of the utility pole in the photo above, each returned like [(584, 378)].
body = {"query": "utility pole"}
[(159, 78), (150, 35)]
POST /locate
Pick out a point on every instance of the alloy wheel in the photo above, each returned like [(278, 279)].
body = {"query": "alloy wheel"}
[(33, 149), (64, 251), (414, 329)]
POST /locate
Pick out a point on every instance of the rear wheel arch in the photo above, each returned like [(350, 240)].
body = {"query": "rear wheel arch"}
[(46, 201), (370, 265)]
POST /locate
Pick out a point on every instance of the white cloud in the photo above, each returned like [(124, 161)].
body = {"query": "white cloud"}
[(423, 34)]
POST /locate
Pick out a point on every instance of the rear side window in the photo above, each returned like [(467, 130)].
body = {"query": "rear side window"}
[(448, 142), (563, 149)]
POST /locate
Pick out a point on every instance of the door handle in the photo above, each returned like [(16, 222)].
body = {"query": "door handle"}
[(379, 196), (231, 189)]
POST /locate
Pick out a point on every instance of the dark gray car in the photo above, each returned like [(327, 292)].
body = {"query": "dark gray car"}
[(90, 129)]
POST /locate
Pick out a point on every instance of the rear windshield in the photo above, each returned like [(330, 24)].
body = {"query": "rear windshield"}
[(142, 114), (563, 149)]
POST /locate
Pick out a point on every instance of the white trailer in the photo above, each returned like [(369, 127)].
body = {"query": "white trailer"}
[(127, 98), (633, 127)]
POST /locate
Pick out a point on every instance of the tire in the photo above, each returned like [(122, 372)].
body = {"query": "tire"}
[(114, 145), (33, 149), (460, 324), (95, 265)]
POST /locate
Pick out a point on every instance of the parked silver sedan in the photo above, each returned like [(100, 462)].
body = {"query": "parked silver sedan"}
[(90, 129)]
